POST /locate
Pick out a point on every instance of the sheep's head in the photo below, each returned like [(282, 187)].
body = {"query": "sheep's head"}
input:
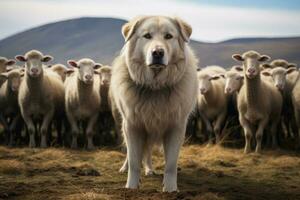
[(34, 62), (251, 62), (13, 78), (233, 81), (205, 81), (105, 75), (4, 63), (86, 69), (279, 75), (278, 63), (60, 69)]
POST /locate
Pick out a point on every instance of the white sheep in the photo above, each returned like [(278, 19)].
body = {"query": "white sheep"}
[(40, 96), (212, 102), (82, 98), (259, 102)]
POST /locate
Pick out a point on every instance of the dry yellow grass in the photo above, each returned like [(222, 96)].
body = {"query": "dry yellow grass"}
[(215, 173)]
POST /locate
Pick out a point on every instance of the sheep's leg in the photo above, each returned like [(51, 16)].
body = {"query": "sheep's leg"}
[(284, 127), (297, 118), (90, 131), (199, 125), (12, 129), (58, 126), (248, 133), (172, 143), (135, 141), (148, 162), (124, 167), (74, 129), (218, 125), (274, 134), (209, 129), (30, 127), (259, 134), (45, 126), (6, 129)]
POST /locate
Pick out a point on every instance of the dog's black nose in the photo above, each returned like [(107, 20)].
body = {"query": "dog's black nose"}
[(158, 53)]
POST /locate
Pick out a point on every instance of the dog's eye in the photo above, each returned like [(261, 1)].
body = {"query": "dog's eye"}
[(147, 36), (168, 36)]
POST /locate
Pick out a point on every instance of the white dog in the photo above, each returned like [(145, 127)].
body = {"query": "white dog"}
[(154, 85)]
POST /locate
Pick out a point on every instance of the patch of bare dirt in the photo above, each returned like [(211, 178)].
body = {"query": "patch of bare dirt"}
[(204, 173)]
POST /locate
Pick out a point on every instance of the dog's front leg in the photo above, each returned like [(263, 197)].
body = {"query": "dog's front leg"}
[(172, 143), (135, 141)]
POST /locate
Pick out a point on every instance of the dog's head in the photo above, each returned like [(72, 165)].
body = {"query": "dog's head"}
[(155, 49)]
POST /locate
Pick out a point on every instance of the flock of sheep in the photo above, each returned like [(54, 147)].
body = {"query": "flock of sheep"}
[(74, 98), (266, 96)]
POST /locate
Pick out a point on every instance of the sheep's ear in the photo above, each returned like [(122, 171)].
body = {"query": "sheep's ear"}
[(237, 57), (97, 72), (222, 75), (215, 77), (73, 63), (97, 66), (264, 58), (290, 70), (10, 62), (184, 28), (266, 73), (20, 58), (130, 27), (69, 71), (8, 69), (47, 58), (238, 68), (266, 66), (292, 65), (4, 75)]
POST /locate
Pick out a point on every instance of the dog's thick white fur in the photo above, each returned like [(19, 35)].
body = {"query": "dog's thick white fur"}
[(155, 98)]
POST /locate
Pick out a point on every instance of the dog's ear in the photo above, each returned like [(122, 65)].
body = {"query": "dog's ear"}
[(184, 28), (130, 27)]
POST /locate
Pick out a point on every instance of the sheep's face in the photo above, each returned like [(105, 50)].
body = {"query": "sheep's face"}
[(4, 63), (13, 78), (105, 75), (233, 83), (34, 62), (155, 49), (205, 83), (251, 62), (86, 69), (279, 76)]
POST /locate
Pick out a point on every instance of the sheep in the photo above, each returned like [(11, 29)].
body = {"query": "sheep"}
[(60, 69), (233, 80), (4, 64), (296, 104), (82, 98), (212, 102), (106, 120), (259, 102), (40, 96), (277, 72), (10, 115)]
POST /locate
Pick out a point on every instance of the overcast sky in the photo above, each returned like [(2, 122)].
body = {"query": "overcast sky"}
[(212, 20)]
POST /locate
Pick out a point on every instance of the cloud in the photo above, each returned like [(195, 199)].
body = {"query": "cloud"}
[(210, 23)]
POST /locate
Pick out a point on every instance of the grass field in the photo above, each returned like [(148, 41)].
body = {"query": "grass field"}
[(204, 173)]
